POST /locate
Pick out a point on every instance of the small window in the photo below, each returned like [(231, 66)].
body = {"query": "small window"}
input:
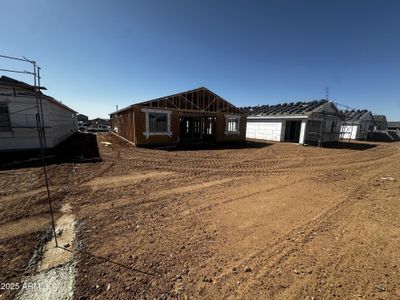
[(158, 122), (232, 124), (5, 124)]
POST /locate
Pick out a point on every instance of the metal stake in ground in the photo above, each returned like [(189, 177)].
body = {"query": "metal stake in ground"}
[(42, 143)]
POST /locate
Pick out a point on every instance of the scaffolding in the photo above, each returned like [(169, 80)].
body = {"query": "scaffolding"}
[(40, 126), (347, 126)]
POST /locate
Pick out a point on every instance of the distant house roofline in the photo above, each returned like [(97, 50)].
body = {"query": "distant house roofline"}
[(355, 115), (379, 118)]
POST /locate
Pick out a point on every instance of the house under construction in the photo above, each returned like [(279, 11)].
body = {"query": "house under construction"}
[(357, 124), (312, 122), (193, 116)]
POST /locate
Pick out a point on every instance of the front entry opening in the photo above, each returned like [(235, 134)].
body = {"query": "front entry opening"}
[(292, 131), (197, 128)]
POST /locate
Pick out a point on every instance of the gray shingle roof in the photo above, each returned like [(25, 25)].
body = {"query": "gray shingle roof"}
[(285, 109), (5, 80)]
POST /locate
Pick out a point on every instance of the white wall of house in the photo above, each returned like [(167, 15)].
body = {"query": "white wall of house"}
[(330, 128), (273, 128), (303, 131), (349, 132), (357, 131), (60, 122), (265, 130)]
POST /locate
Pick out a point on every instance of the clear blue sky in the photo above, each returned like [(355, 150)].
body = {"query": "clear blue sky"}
[(96, 54)]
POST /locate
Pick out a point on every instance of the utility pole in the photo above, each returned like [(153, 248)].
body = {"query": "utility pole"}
[(327, 93)]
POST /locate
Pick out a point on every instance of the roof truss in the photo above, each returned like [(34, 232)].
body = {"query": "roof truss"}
[(200, 100)]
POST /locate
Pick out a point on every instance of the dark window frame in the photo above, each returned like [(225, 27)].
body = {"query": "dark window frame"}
[(5, 121)]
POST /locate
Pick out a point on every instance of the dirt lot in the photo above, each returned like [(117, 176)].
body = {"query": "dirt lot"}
[(260, 222)]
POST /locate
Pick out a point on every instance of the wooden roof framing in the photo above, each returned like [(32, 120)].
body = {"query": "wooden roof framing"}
[(285, 109), (200, 100)]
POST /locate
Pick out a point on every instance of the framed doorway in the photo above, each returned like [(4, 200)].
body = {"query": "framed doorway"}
[(197, 128), (292, 131)]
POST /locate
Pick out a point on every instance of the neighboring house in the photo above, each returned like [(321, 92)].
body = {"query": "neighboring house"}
[(82, 118), (18, 110), (394, 125), (313, 122), (192, 116), (100, 122), (356, 124), (380, 122)]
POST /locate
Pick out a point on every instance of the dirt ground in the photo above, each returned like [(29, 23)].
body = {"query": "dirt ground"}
[(263, 221)]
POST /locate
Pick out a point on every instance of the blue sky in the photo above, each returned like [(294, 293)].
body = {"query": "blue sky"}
[(97, 54)]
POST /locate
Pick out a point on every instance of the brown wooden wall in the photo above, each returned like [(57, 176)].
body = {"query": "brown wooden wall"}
[(221, 127), (141, 139), (124, 121), (131, 124)]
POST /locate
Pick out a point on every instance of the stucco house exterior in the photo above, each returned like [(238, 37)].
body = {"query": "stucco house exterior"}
[(18, 113)]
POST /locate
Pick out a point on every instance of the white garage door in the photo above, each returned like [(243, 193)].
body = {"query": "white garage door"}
[(264, 130)]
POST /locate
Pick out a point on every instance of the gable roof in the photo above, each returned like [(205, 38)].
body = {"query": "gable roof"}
[(8, 81), (196, 100), (13, 83), (355, 115), (379, 118), (286, 109)]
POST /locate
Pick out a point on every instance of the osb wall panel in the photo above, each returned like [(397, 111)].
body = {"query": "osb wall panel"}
[(221, 126), (132, 125), (140, 122), (128, 125)]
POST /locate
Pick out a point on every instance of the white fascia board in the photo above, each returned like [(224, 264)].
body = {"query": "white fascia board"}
[(275, 118)]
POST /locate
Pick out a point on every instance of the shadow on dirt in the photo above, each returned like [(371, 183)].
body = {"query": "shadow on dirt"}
[(79, 148), (350, 145), (215, 146)]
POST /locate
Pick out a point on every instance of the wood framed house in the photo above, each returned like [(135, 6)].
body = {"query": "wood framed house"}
[(313, 122), (197, 115), (18, 112), (356, 124), (380, 122)]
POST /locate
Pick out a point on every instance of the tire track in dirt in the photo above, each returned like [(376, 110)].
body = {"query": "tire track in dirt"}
[(180, 226), (162, 194), (281, 248), (115, 181)]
